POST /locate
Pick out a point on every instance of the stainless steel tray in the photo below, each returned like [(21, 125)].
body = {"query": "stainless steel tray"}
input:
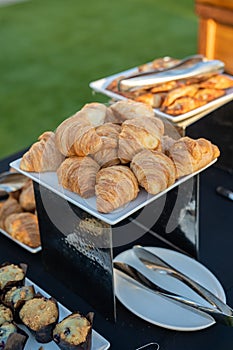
[(49, 180), (101, 87)]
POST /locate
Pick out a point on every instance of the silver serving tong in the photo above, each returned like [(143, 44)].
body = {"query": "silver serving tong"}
[(127, 270), (176, 73), (11, 182), (185, 62), (153, 262)]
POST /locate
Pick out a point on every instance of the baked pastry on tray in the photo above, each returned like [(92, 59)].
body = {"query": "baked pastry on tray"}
[(78, 174), (138, 134), (115, 186), (190, 155), (74, 332), (108, 153), (153, 170), (42, 155)]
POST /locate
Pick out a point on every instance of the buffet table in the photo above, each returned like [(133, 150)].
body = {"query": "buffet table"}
[(131, 332)]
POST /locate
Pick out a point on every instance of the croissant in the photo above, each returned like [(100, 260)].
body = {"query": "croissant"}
[(129, 109), (10, 206), (24, 227), (77, 136), (78, 174), (42, 155), (96, 113), (138, 134), (26, 197), (190, 155), (153, 170), (115, 186), (108, 154)]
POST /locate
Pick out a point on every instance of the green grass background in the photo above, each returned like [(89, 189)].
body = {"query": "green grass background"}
[(50, 50)]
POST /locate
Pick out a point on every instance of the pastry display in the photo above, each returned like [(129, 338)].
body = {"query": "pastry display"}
[(24, 228), (123, 111), (74, 332), (138, 134), (78, 174), (27, 305), (42, 155), (191, 155), (27, 198), (154, 171), (40, 315), (115, 186), (108, 153), (10, 206), (175, 97), (114, 151)]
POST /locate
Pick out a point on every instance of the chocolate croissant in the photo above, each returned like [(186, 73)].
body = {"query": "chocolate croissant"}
[(129, 109), (42, 155), (190, 155), (108, 154), (138, 134), (115, 186), (78, 174), (24, 227), (153, 170)]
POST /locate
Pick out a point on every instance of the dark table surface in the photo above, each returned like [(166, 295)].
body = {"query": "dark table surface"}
[(131, 332)]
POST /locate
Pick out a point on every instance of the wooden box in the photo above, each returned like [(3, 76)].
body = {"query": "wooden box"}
[(215, 37)]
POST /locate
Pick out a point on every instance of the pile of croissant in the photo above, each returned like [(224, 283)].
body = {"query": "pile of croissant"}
[(176, 97), (112, 151), (18, 216)]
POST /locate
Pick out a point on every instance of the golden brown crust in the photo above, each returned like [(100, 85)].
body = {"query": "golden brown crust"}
[(78, 174), (219, 81), (182, 105), (77, 136), (115, 186), (129, 109), (27, 198), (188, 90), (138, 134), (190, 155), (207, 95), (153, 170), (108, 154), (10, 206), (24, 227), (42, 155)]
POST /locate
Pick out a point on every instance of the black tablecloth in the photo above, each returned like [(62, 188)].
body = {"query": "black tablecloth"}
[(130, 332)]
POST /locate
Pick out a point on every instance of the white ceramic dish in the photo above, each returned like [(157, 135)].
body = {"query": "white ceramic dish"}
[(101, 87), (50, 181), (98, 342), (30, 249), (159, 310)]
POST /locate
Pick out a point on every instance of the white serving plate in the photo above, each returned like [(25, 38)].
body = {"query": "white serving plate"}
[(98, 341), (30, 249), (157, 309), (101, 86), (50, 181)]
